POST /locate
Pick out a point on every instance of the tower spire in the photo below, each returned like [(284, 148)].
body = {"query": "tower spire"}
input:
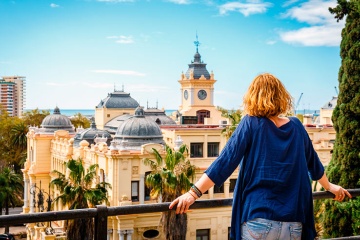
[(197, 43)]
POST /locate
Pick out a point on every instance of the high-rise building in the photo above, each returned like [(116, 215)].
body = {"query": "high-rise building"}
[(12, 94)]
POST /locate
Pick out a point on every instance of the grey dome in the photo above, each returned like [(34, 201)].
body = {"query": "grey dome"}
[(90, 135), (197, 67), (137, 131), (118, 99), (56, 121), (153, 114), (331, 104)]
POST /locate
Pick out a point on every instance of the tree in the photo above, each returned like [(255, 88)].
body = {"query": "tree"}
[(80, 121), (10, 190), (234, 117), (344, 168), (77, 191), (34, 117), (170, 178)]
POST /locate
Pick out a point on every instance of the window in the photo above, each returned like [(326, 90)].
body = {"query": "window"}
[(203, 234), (134, 191), (196, 150), (232, 185), (147, 189), (201, 114), (213, 149), (219, 189)]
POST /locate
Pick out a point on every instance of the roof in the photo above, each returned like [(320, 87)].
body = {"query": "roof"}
[(197, 67), (331, 104), (56, 121), (118, 99), (90, 134)]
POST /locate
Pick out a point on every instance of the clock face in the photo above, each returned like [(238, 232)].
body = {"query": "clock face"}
[(202, 94), (186, 95)]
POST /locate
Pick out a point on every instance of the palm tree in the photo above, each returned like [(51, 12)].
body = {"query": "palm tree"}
[(77, 191), (234, 116), (10, 190), (170, 178), (80, 121), (34, 117)]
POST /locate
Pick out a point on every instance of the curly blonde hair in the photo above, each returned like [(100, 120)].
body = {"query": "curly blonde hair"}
[(267, 97)]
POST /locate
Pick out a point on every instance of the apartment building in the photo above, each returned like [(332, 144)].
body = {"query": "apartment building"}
[(12, 94)]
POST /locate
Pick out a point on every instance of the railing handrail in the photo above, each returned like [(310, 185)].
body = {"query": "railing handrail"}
[(101, 212)]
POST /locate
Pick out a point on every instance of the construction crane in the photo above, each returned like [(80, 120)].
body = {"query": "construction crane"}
[(297, 103), (337, 93)]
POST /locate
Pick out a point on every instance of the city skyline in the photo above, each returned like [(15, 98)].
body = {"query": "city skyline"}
[(73, 53)]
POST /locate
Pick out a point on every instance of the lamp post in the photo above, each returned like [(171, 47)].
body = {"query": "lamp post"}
[(39, 204)]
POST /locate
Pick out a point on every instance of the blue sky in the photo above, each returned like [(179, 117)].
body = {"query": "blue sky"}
[(73, 52)]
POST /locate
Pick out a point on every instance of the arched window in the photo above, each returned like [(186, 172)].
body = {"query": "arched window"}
[(201, 114)]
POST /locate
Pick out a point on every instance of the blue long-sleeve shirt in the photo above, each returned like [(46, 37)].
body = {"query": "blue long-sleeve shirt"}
[(274, 183)]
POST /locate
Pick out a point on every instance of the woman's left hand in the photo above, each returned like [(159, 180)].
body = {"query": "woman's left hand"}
[(339, 192), (183, 203)]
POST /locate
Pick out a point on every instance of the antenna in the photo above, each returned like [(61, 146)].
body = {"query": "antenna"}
[(337, 93), (197, 43)]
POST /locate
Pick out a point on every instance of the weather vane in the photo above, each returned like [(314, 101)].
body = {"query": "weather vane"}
[(197, 43)]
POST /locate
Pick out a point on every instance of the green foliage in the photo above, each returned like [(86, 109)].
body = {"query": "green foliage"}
[(342, 219), (234, 117), (170, 178), (11, 189), (34, 117), (80, 121), (78, 191)]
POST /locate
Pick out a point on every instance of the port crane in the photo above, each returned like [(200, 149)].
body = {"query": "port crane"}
[(297, 103)]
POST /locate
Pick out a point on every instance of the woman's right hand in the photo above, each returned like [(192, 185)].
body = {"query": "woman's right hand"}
[(183, 203)]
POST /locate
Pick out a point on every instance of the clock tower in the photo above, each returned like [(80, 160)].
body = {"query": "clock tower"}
[(197, 93)]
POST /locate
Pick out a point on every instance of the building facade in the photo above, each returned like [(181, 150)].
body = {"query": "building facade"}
[(12, 93)]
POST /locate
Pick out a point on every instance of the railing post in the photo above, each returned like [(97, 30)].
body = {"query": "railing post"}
[(101, 222)]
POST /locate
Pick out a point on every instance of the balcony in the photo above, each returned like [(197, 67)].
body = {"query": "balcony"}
[(101, 212)]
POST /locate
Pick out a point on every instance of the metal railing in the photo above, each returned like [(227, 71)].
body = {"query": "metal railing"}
[(101, 213)]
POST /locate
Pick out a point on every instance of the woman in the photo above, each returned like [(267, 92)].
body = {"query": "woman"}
[(273, 196)]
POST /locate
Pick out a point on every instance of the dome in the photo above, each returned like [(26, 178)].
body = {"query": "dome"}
[(56, 121), (137, 131), (331, 104), (198, 68), (118, 99), (92, 135)]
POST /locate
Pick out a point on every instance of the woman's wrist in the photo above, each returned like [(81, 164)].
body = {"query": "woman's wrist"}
[(193, 195)]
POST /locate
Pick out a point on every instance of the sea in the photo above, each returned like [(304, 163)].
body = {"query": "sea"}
[(84, 112)]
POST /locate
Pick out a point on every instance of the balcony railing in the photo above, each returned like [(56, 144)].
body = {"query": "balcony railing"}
[(101, 213)]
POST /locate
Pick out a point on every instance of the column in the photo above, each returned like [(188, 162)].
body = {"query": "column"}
[(142, 188), (129, 234), (227, 188), (212, 96), (109, 232), (121, 234), (32, 188), (26, 192)]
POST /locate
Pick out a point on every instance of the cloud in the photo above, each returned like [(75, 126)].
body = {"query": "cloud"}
[(98, 85), (290, 2), (120, 72), (53, 5), (61, 84), (180, 1), (270, 42), (248, 8), (146, 88), (115, 1), (122, 39), (323, 30)]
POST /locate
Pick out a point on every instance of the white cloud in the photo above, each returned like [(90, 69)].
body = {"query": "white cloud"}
[(145, 88), (120, 72), (98, 85), (122, 39), (270, 42), (289, 2), (323, 30), (115, 1), (53, 5), (248, 8), (180, 1)]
